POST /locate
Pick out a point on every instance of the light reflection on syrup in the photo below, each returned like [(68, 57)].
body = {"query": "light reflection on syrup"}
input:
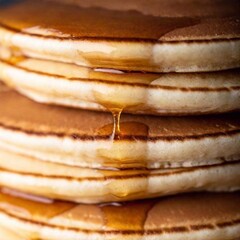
[(26, 196), (123, 76)]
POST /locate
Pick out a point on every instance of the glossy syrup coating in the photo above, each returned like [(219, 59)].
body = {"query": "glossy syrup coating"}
[(137, 20)]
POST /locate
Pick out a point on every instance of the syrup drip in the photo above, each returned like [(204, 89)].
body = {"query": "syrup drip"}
[(116, 133), (116, 101), (113, 156), (125, 215), (128, 191)]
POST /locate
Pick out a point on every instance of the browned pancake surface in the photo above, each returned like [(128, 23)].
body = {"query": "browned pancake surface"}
[(181, 213), (151, 20)]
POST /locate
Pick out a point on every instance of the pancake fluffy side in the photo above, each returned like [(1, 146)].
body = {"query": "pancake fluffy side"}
[(98, 89)]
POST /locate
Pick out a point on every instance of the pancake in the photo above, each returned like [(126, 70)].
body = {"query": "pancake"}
[(84, 138), (95, 186), (178, 217), (157, 36), (87, 139), (96, 89)]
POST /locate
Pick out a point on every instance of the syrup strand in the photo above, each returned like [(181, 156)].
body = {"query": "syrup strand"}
[(116, 113)]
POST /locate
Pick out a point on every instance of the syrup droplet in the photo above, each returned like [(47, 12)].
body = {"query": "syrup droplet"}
[(118, 153)]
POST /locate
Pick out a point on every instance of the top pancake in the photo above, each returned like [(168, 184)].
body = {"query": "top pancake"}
[(126, 37), (154, 20)]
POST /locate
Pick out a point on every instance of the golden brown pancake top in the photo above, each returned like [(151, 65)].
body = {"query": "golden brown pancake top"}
[(185, 212), (149, 20), (19, 113)]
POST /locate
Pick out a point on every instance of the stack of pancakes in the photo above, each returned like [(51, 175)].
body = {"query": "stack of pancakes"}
[(113, 113)]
